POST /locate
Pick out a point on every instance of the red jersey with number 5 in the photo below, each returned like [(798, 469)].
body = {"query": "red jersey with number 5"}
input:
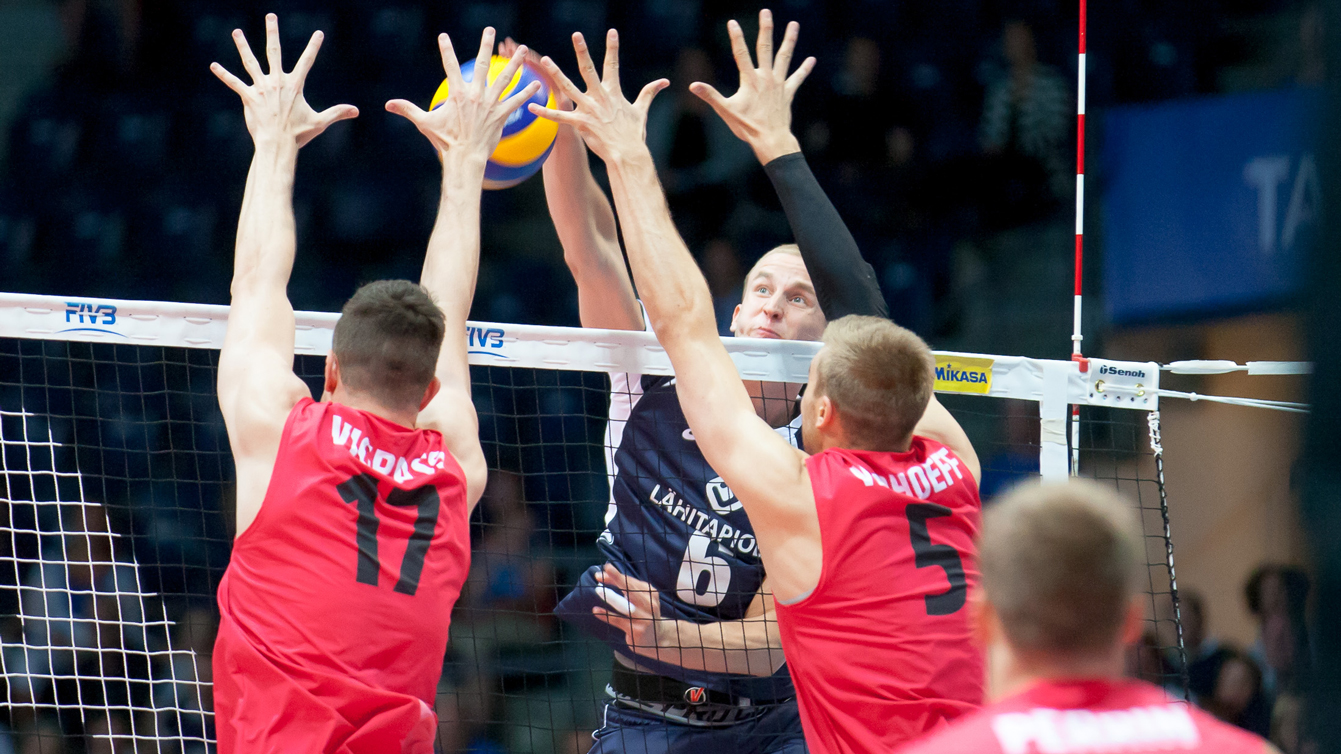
[(881, 651), (336, 602)]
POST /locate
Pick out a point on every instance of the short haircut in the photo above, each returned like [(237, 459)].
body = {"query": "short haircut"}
[(1061, 563), (387, 342), (879, 376), (787, 248)]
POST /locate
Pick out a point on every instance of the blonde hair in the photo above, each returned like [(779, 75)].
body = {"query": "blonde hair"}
[(879, 376), (787, 248), (1060, 563)]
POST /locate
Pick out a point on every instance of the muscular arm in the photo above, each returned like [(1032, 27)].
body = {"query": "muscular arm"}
[(585, 223), (749, 646), (845, 283), (257, 386), (759, 113), (766, 473), (465, 129)]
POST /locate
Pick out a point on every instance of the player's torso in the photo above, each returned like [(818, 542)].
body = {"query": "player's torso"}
[(672, 520), (358, 553), (885, 635), (1091, 716)]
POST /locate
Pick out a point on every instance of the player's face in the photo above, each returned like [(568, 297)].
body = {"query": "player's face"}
[(779, 302)]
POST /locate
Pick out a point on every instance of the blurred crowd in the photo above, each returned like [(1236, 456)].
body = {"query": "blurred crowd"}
[(943, 131)]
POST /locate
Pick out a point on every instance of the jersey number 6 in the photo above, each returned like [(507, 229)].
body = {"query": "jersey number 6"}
[(361, 490)]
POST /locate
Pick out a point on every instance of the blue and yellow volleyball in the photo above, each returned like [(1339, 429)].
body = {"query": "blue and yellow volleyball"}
[(527, 139)]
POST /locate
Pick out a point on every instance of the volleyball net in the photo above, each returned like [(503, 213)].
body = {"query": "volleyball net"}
[(117, 494)]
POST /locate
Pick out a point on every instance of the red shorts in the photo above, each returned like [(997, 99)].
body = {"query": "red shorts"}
[(262, 707)]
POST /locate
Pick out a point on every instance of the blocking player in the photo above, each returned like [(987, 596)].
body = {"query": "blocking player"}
[(871, 614), (1060, 604), (686, 682), (352, 539)]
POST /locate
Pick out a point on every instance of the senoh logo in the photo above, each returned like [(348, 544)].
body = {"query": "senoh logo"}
[(89, 313), (963, 374), (1109, 371)]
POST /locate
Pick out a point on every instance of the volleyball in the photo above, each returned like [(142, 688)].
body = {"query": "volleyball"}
[(527, 138)]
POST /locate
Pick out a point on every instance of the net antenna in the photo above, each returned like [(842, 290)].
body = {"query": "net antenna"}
[(1076, 336)]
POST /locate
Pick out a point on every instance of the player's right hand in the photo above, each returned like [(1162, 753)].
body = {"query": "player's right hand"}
[(275, 109), (760, 112), (637, 612), (470, 122)]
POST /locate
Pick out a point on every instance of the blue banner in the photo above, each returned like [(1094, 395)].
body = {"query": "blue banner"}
[(1209, 205)]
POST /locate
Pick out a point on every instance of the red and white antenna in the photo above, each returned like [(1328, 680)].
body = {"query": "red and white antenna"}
[(1076, 336)]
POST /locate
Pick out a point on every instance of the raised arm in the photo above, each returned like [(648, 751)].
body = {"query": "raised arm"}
[(749, 646), (257, 386), (766, 473), (464, 130), (760, 114)]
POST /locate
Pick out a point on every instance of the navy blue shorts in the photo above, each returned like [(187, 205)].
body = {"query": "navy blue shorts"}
[(631, 731)]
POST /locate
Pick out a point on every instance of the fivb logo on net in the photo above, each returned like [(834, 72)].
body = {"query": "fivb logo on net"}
[(90, 313), (485, 341)]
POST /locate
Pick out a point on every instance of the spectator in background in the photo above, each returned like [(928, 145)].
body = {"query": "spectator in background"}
[(1237, 696), (1025, 123), (861, 109), (45, 737), (1277, 596), (1205, 654), (700, 163), (1312, 69)]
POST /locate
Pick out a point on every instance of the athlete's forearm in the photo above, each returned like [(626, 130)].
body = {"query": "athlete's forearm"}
[(453, 259), (266, 236), (670, 283), (844, 282), (751, 646), (585, 224)]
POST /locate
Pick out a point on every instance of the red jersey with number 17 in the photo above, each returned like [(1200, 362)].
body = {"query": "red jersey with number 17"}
[(335, 606), (881, 651)]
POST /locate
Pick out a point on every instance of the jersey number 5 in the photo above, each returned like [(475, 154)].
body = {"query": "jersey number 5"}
[(927, 555), (361, 490)]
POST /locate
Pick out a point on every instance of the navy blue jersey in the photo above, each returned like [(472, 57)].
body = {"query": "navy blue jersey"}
[(674, 523)]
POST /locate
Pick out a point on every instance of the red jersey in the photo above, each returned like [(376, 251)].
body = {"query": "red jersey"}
[(1089, 717), (882, 651), (335, 606)]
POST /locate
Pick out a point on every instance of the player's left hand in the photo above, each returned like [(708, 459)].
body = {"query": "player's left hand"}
[(275, 109), (470, 122), (760, 112), (611, 125), (637, 612)]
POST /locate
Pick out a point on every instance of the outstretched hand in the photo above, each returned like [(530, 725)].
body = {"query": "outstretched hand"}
[(637, 612), (470, 122), (274, 106), (760, 112), (609, 124), (508, 46)]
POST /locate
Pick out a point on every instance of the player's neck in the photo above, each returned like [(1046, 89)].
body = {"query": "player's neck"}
[(365, 403), (1011, 672)]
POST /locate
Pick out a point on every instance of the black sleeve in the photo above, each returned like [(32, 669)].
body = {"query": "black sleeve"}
[(844, 282)]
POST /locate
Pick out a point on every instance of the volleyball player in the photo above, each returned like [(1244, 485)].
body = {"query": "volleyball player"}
[(352, 540), (711, 673), (1062, 568), (871, 614)]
